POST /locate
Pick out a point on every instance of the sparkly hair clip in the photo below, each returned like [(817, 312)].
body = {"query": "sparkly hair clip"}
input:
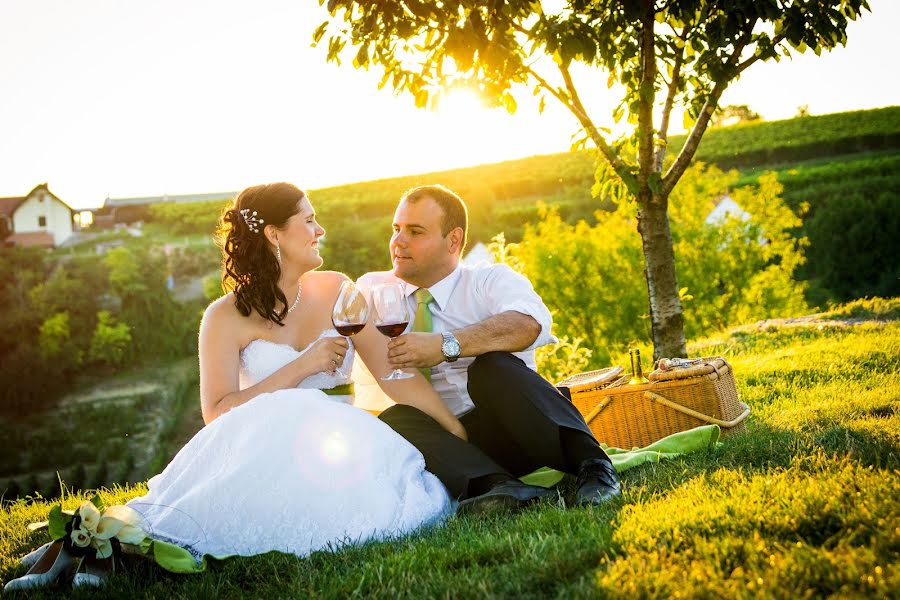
[(250, 219)]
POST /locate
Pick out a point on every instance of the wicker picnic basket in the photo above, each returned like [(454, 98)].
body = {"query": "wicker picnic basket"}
[(629, 416)]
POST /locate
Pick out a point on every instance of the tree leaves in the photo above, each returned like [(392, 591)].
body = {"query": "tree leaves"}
[(499, 44)]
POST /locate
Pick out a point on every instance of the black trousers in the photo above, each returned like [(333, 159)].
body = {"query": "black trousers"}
[(514, 429)]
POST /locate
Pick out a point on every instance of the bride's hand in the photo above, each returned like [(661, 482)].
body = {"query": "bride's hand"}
[(326, 354)]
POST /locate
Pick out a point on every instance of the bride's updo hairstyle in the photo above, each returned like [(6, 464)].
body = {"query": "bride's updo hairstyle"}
[(248, 259)]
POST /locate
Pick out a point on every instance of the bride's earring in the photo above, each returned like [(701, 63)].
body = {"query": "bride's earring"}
[(278, 253)]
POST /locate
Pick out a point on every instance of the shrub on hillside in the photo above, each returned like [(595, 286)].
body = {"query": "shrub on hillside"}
[(854, 251), (159, 326), (854, 245), (109, 342), (115, 310), (733, 271)]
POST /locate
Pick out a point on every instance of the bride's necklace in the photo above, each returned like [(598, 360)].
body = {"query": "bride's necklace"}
[(297, 299)]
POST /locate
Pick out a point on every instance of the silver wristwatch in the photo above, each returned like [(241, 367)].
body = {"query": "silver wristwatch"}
[(450, 347)]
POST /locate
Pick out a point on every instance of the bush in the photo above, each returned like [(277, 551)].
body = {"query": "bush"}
[(110, 341), (159, 326), (568, 357), (734, 271), (853, 249), (854, 245), (28, 383)]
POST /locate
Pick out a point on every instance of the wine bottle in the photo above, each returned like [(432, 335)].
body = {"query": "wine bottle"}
[(637, 375)]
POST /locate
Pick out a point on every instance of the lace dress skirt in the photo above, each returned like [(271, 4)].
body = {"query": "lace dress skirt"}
[(292, 471)]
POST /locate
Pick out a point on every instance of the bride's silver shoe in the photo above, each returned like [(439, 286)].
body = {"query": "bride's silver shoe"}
[(50, 565), (93, 572), (32, 557)]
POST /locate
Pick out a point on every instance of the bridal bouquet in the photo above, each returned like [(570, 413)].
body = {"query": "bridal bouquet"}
[(94, 527), (99, 529)]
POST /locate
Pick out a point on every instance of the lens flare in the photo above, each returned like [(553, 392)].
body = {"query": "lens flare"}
[(334, 448)]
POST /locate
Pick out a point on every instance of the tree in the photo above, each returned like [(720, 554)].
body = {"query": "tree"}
[(662, 53), (734, 114), (735, 269)]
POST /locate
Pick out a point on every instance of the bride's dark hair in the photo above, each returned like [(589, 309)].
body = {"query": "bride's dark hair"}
[(249, 266)]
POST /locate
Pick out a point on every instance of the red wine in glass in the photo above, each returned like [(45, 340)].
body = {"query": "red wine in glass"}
[(392, 330), (347, 330), (391, 316), (349, 315)]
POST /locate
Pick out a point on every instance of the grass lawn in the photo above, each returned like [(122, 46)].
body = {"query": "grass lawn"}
[(805, 504)]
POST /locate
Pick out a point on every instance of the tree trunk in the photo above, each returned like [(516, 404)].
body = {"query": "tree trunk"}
[(662, 288)]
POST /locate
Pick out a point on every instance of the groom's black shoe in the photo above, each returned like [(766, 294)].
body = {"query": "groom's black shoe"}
[(597, 483), (509, 496)]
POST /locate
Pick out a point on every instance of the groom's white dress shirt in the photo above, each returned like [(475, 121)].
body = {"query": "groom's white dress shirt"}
[(468, 295)]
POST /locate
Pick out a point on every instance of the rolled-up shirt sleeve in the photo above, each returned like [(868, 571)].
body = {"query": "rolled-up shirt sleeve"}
[(502, 289)]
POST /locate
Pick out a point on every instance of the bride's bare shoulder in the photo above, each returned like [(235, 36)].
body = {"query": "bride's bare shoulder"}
[(221, 312)]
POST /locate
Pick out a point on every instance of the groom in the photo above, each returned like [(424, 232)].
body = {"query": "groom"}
[(474, 336)]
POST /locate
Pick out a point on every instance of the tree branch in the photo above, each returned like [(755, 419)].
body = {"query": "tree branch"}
[(709, 107), (577, 108), (546, 85), (667, 111)]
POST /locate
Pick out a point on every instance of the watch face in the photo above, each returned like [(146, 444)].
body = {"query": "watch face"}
[(450, 348)]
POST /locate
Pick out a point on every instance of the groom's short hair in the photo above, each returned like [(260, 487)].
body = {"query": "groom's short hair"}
[(454, 209)]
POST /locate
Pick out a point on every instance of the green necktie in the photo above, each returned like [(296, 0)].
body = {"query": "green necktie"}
[(422, 321)]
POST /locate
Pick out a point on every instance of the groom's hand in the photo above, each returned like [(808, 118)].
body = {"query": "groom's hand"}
[(415, 350)]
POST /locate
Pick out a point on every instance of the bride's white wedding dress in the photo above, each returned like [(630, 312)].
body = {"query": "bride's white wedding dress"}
[(295, 470)]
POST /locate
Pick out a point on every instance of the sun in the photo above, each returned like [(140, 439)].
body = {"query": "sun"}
[(462, 103), (464, 108)]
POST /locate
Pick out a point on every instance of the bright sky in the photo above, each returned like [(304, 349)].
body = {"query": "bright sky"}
[(133, 98)]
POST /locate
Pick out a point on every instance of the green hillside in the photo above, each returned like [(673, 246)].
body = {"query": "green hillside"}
[(843, 166), (749, 145)]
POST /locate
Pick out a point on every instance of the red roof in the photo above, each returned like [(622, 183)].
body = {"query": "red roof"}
[(33, 238), (9, 205)]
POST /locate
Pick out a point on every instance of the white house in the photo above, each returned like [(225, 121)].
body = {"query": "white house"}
[(38, 219), (726, 207)]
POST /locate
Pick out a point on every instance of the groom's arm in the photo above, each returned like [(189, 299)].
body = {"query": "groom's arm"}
[(509, 331), (518, 321)]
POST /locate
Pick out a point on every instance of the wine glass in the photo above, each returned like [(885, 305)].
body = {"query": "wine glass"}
[(349, 315), (391, 317)]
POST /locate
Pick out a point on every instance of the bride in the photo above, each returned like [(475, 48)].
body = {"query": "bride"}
[(282, 465), (285, 462)]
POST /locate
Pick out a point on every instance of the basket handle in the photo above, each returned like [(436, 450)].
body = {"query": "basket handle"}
[(697, 415), (600, 406)]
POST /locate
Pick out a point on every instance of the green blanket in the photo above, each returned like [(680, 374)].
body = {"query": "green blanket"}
[(683, 442)]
